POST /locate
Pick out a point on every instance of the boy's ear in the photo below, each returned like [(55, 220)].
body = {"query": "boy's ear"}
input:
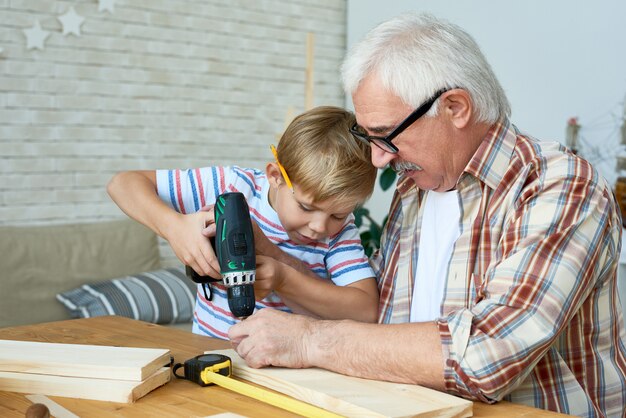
[(274, 175)]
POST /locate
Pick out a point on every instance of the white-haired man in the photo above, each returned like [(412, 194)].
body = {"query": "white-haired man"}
[(498, 264)]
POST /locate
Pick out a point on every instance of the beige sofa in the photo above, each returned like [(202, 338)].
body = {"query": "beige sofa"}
[(39, 262)]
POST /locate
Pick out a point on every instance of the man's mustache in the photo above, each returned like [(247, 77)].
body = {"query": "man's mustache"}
[(400, 166)]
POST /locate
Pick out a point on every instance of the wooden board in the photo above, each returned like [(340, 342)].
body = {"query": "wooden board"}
[(78, 360), (351, 396), (124, 391)]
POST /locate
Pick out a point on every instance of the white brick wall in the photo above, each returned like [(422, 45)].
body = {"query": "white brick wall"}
[(157, 84)]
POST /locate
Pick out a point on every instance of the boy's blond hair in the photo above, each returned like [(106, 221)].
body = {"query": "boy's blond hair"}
[(322, 158)]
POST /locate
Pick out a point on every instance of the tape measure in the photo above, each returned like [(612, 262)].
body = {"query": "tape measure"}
[(208, 369), (215, 363)]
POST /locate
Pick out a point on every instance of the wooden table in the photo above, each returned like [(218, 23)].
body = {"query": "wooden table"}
[(179, 398)]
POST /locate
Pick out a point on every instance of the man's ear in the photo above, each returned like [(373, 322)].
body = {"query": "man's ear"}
[(274, 176), (458, 105)]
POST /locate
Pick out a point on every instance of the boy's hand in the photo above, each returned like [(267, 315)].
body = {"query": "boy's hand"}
[(190, 244), (266, 267), (209, 225), (262, 244), (268, 276)]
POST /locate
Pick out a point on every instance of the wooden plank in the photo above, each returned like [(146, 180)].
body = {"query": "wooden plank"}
[(351, 396), (79, 360), (123, 391)]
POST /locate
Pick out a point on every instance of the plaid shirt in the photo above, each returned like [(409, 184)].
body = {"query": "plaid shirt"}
[(530, 311)]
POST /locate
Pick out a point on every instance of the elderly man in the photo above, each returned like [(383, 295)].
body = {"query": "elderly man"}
[(497, 269)]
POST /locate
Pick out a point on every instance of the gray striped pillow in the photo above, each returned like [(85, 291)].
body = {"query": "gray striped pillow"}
[(163, 296)]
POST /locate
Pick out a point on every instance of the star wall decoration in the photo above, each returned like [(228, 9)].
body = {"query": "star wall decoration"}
[(35, 36), (71, 22), (107, 5)]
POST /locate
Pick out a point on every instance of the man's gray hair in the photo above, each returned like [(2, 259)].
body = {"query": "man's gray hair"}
[(414, 55)]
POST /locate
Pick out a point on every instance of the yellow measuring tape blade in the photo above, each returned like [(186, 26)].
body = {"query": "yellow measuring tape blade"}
[(280, 401)]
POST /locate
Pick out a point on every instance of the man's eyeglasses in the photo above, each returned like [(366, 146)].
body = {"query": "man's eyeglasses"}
[(384, 142)]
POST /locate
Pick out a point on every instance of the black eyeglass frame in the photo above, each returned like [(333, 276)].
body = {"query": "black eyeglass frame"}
[(384, 142)]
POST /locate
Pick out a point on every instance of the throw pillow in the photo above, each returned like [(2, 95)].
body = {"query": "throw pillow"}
[(163, 296)]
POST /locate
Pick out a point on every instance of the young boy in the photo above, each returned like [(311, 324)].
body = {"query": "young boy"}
[(303, 203)]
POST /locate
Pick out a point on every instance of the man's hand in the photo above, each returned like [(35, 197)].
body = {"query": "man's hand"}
[(273, 338)]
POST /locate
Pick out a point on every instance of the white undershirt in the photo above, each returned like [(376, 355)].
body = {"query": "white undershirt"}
[(439, 232)]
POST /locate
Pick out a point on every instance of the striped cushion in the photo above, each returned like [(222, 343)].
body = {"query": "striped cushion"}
[(164, 296)]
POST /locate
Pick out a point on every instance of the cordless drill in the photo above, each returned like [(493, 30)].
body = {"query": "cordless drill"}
[(234, 247)]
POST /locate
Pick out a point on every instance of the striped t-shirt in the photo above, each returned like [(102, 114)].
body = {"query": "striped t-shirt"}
[(339, 258)]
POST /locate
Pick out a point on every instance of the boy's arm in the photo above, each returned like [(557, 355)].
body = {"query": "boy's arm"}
[(305, 292), (135, 192)]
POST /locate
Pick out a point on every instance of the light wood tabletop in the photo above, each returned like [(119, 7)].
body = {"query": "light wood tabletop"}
[(178, 398)]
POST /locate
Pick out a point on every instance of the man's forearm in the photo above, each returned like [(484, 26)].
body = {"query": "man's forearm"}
[(404, 353)]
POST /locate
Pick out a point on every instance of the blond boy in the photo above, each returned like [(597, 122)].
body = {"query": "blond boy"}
[(303, 203)]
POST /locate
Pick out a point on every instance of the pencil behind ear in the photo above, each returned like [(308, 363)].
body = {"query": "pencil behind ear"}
[(274, 176)]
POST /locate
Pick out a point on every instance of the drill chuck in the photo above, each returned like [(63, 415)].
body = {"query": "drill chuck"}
[(240, 290), (238, 278), (241, 300)]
